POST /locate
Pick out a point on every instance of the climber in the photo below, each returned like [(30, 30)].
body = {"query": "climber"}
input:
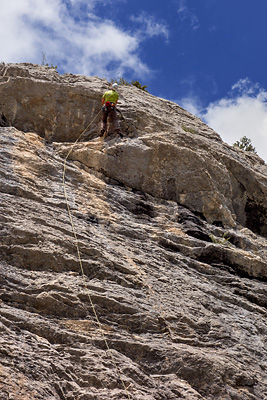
[(109, 101)]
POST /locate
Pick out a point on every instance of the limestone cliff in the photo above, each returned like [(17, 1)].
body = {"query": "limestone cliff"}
[(171, 225)]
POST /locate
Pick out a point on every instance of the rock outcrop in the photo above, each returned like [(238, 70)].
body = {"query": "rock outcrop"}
[(172, 154), (171, 228)]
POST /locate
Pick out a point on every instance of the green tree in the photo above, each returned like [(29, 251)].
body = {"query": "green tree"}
[(139, 86), (123, 81), (245, 144)]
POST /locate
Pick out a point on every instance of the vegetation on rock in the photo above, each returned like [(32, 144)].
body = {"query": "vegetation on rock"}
[(245, 144), (123, 81)]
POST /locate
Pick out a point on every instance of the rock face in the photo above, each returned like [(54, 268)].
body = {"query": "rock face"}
[(171, 229), (171, 154)]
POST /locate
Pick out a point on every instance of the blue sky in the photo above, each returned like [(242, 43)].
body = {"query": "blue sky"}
[(209, 56)]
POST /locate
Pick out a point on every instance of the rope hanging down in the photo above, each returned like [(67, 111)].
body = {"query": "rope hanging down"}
[(80, 260)]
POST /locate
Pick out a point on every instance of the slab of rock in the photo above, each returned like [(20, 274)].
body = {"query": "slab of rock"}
[(172, 300), (169, 153)]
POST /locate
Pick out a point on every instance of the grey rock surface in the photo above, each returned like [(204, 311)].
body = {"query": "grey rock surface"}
[(168, 152), (171, 229)]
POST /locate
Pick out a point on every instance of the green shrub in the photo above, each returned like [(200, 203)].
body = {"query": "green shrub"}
[(123, 81), (139, 86), (48, 64), (223, 240), (245, 144), (188, 129)]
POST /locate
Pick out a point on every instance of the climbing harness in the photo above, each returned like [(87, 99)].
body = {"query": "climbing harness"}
[(109, 104), (81, 264)]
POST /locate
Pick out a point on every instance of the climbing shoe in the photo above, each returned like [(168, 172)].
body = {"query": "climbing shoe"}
[(102, 132)]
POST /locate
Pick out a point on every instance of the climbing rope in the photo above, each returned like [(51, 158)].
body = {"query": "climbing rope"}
[(142, 274), (80, 260)]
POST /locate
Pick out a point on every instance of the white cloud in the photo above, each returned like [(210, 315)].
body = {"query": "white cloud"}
[(87, 45), (242, 113), (182, 8), (246, 87), (150, 26), (186, 14), (191, 104)]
